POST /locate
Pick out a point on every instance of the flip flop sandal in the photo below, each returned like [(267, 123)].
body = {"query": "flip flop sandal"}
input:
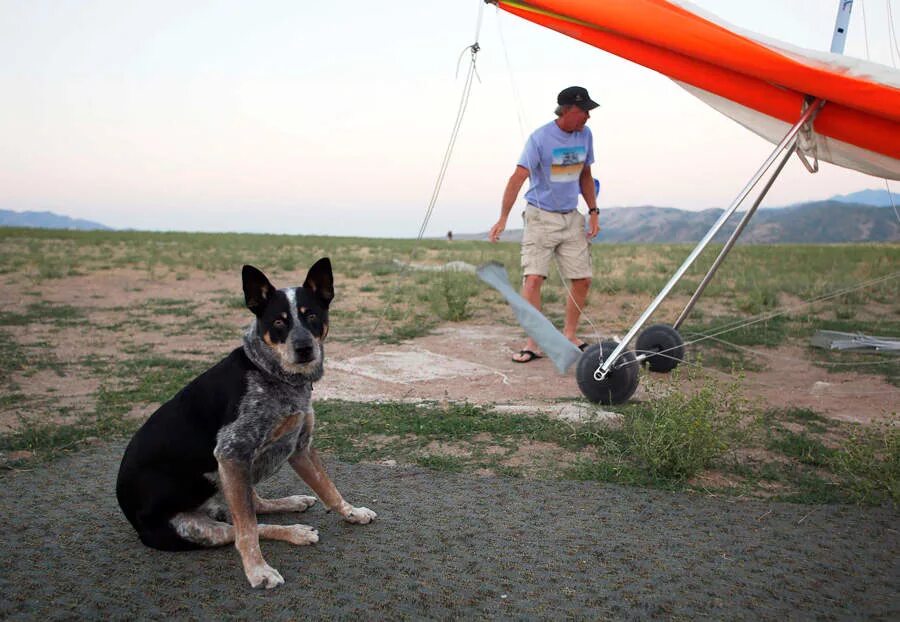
[(529, 355)]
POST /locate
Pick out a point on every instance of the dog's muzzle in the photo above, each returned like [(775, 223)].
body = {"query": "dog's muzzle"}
[(304, 350)]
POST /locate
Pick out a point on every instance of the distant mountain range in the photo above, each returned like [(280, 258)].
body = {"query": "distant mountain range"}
[(876, 198), (46, 220), (813, 223), (863, 216)]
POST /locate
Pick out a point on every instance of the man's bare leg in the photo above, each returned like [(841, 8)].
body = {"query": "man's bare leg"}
[(574, 304), (531, 291)]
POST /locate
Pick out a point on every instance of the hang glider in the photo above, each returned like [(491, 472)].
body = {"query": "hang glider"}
[(760, 83), (822, 106)]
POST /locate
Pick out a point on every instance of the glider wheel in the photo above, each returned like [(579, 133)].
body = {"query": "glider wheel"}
[(661, 338), (620, 382)]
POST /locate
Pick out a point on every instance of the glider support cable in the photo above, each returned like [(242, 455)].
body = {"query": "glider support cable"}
[(788, 142), (471, 74), (765, 317)]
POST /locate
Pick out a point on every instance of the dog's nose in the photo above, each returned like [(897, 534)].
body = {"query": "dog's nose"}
[(304, 351)]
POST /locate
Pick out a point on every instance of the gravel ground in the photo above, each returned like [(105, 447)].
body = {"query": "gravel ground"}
[(453, 546)]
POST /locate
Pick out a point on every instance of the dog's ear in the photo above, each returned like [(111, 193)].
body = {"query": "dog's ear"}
[(320, 280), (257, 289)]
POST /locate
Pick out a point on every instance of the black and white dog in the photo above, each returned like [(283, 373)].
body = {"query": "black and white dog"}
[(186, 479)]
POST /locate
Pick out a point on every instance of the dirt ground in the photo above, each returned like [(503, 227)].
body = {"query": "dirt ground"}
[(458, 361), (445, 545), (451, 546), (473, 363)]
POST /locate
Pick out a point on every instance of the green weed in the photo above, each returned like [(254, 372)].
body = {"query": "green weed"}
[(680, 434), (44, 313), (450, 293), (170, 306), (802, 447), (441, 463), (869, 464), (12, 357), (758, 300), (412, 328)]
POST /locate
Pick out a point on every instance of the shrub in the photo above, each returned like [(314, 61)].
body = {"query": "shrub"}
[(758, 300), (869, 464), (681, 433), (449, 295)]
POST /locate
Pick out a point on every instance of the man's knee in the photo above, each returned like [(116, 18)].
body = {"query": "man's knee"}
[(586, 282), (533, 280)]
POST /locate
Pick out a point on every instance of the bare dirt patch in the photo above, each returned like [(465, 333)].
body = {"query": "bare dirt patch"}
[(469, 361), (790, 380), (451, 450), (68, 396)]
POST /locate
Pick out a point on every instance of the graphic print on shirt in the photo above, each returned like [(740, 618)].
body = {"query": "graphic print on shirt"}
[(567, 163)]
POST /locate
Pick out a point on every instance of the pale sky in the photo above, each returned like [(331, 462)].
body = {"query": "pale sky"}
[(333, 117)]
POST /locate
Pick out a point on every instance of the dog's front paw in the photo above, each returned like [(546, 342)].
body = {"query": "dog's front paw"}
[(360, 516), (264, 576)]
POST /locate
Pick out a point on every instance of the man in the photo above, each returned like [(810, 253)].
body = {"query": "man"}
[(557, 159)]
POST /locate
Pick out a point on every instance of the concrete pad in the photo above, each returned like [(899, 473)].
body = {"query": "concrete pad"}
[(573, 412), (407, 366)]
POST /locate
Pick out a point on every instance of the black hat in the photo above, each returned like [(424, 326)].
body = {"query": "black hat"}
[(576, 96)]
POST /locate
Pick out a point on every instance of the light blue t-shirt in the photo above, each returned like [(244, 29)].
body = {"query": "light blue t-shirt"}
[(554, 160)]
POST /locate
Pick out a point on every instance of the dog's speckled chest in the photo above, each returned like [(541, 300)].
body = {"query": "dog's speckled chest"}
[(274, 420)]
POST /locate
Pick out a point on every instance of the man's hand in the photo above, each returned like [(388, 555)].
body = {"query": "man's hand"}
[(509, 197), (593, 227), (496, 230)]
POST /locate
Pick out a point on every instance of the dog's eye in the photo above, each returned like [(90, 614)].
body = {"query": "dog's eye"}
[(278, 323), (311, 317)]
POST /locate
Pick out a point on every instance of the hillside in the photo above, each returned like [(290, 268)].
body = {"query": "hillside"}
[(819, 222), (46, 220), (835, 220), (875, 198)]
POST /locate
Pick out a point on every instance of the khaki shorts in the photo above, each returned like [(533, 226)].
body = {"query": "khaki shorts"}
[(551, 233)]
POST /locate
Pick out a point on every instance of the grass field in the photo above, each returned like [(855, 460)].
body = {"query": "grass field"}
[(96, 328)]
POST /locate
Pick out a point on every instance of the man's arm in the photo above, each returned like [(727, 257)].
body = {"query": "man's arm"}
[(513, 186), (586, 180)]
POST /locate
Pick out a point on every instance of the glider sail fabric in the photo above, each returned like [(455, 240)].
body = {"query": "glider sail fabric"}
[(760, 83)]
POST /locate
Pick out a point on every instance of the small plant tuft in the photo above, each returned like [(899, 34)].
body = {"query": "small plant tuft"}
[(680, 434), (450, 293), (869, 464)]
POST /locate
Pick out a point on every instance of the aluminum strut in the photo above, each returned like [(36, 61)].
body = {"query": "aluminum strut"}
[(841, 22), (788, 141), (731, 240)]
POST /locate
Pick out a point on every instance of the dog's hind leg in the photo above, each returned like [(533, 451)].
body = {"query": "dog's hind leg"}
[(295, 503), (295, 534), (199, 528)]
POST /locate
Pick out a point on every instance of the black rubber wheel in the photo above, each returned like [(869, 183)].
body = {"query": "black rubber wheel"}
[(661, 338), (618, 385)]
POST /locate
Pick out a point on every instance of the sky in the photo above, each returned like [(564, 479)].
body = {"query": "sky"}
[(333, 118)]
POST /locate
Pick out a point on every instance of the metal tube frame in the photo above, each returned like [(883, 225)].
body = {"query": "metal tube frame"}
[(788, 141), (841, 22), (731, 240)]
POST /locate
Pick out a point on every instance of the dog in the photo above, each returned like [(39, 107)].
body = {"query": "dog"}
[(186, 478)]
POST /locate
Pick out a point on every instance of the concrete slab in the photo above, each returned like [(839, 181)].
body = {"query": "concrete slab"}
[(411, 365)]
